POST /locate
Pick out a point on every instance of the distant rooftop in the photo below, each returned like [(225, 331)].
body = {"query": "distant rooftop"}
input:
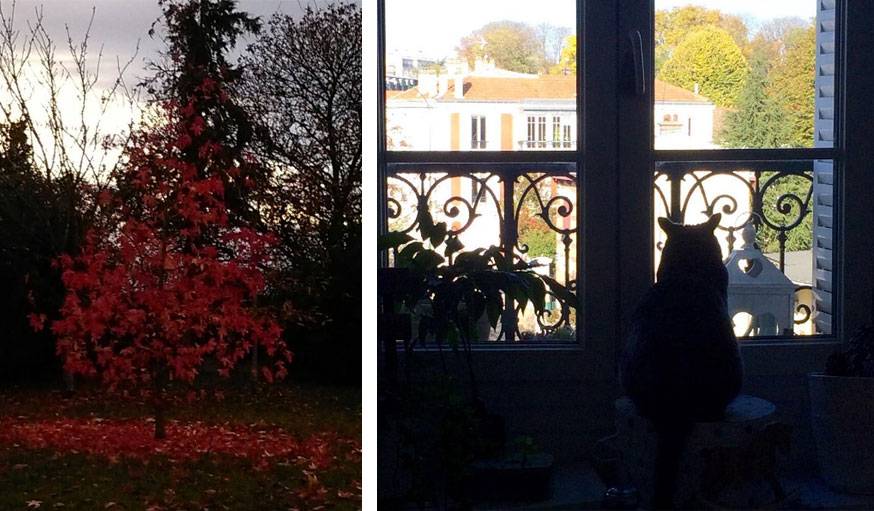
[(531, 87)]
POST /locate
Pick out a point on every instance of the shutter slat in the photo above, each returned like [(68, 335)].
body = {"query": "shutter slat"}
[(823, 170), (824, 242)]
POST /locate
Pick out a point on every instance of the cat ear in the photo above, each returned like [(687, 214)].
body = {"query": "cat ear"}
[(669, 227), (713, 221)]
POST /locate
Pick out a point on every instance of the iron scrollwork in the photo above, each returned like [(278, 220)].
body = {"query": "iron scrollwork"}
[(474, 207), (777, 203)]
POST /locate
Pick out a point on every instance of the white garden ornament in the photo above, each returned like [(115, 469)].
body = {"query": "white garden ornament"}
[(758, 288)]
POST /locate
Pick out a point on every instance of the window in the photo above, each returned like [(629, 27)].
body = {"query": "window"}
[(772, 91), (556, 132), (536, 187), (478, 192), (536, 132), (516, 185), (477, 132)]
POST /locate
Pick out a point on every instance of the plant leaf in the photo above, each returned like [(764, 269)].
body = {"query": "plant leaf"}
[(393, 240)]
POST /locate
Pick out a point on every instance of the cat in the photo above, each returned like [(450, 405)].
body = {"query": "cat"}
[(681, 362)]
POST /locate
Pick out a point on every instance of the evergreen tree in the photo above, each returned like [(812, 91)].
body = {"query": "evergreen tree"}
[(758, 120), (196, 75)]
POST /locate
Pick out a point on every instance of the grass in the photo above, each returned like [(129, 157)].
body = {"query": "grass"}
[(46, 479)]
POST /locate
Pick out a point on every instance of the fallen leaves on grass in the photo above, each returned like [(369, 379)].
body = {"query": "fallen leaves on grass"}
[(263, 445)]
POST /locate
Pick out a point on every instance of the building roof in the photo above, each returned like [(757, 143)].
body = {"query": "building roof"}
[(515, 89), (544, 87), (665, 93)]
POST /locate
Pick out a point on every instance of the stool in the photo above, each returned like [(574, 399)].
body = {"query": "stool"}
[(737, 451)]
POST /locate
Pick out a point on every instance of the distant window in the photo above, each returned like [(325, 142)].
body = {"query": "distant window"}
[(475, 195), (536, 131), (531, 129), (556, 131), (478, 132)]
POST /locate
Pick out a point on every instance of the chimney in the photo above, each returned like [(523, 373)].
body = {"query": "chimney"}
[(696, 88), (459, 87), (428, 84)]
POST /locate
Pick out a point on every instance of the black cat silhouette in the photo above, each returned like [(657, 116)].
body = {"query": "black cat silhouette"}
[(681, 363)]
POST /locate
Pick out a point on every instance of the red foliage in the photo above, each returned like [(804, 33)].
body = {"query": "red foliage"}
[(115, 439), (170, 283)]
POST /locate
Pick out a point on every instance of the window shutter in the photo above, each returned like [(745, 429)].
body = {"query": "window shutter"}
[(823, 170)]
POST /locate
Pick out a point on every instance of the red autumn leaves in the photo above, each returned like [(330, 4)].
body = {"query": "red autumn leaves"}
[(168, 283), (115, 439)]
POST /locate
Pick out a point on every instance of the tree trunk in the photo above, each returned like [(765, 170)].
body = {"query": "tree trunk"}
[(160, 421), (255, 364), (69, 383), (160, 380)]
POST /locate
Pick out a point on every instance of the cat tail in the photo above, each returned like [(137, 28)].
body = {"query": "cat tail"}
[(671, 441)]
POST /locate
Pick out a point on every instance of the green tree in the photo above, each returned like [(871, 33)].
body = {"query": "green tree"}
[(511, 45), (710, 58), (792, 83), (758, 119), (673, 26)]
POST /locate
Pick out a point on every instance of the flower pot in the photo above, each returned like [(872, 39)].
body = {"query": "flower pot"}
[(842, 417)]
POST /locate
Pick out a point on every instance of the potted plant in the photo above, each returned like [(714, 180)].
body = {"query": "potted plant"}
[(436, 293), (842, 415)]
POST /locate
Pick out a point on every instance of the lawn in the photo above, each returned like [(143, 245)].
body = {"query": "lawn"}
[(290, 446)]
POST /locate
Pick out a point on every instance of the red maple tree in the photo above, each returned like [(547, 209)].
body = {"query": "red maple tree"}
[(169, 283)]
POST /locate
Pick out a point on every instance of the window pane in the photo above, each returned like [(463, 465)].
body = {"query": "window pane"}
[(499, 61), (776, 228), (742, 75), (537, 225)]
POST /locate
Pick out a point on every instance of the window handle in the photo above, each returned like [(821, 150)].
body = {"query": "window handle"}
[(637, 55)]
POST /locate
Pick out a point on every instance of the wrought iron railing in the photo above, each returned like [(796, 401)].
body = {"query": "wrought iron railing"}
[(775, 197), (531, 213)]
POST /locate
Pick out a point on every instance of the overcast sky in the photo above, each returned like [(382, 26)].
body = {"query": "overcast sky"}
[(118, 24), (435, 28)]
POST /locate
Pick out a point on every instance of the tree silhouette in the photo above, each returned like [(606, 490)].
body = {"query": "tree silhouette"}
[(302, 86), (199, 35)]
